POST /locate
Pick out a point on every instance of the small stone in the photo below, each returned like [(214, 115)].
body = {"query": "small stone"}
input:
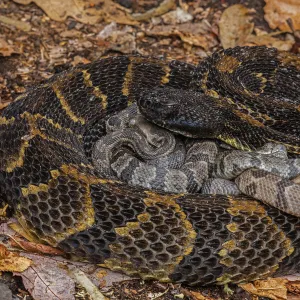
[(5, 292)]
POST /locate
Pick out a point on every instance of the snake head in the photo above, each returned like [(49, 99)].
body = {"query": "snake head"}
[(188, 113)]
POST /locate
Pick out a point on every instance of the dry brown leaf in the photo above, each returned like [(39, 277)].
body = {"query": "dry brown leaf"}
[(236, 30), (54, 278), (12, 262), (193, 295), (119, 39), (294, 287), (5, 48), (198, 34), (34, 247), (270, 41), (164, 7), (59, 10), (16, 23), (277, 12), (177, 16), (46, 280), (273, 288), (235, 26)]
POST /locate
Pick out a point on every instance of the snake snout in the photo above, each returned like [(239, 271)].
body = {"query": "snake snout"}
[(185, 112)]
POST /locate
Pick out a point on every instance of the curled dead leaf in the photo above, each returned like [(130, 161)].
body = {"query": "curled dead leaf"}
[(294, 287), (59, 10), (193, 295), (277, 13), (12, 262), (269, 41), (235, 26), (238, 31), (273, 288), (16, 23), (6, 49), (163, 8), (198, 34)]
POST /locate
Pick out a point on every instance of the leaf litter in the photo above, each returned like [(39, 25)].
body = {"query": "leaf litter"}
[(39, 38)]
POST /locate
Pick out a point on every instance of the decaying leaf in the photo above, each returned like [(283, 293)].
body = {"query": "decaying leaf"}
[(34, 247), (198, 34), (236, 29), (294, 287), (12, 262), (121, 40), (277, 13), (56, 278), (273, 288), (16, 23), (46, 280), (193, 295), (177, 16), (83, 12), (270, 41), (5, 48), (235, 26), (164, 7)]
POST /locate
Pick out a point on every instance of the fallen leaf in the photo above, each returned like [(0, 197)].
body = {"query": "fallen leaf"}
[(79, 60), (277, 12), (198, 34), (54, 278), (59, 10), (120, 39), (177, 16), (163, 8), (235, 26), (193, 295), (16, 23), (46, 280), (34, 247), (5, 48), (12, 262), (273, 288), (270, 41), (294, 287), (238, 31)]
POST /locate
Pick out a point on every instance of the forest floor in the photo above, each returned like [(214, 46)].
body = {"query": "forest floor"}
[(41, 38)]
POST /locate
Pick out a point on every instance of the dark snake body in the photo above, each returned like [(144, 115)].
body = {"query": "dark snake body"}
[(46, 139)]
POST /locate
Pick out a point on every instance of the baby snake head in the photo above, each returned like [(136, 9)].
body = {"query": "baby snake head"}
[(184, 112)]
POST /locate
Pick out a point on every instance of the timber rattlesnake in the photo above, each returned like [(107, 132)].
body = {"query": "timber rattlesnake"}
[(46, 140)]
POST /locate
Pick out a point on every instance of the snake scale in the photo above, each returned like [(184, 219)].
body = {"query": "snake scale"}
[(46, 173)]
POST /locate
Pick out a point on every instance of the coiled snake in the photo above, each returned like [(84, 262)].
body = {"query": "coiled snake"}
[(47, 137)]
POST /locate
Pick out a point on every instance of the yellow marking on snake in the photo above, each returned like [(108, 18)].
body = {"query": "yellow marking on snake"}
[(166, 78), (248, 118), (204, 81), (166, 268), (290, 148), (65, 105), (127, 80), (5, 121), (17, 159), (96, 90), (154, 198), (84, 219), (227, 64), (247, 208)]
